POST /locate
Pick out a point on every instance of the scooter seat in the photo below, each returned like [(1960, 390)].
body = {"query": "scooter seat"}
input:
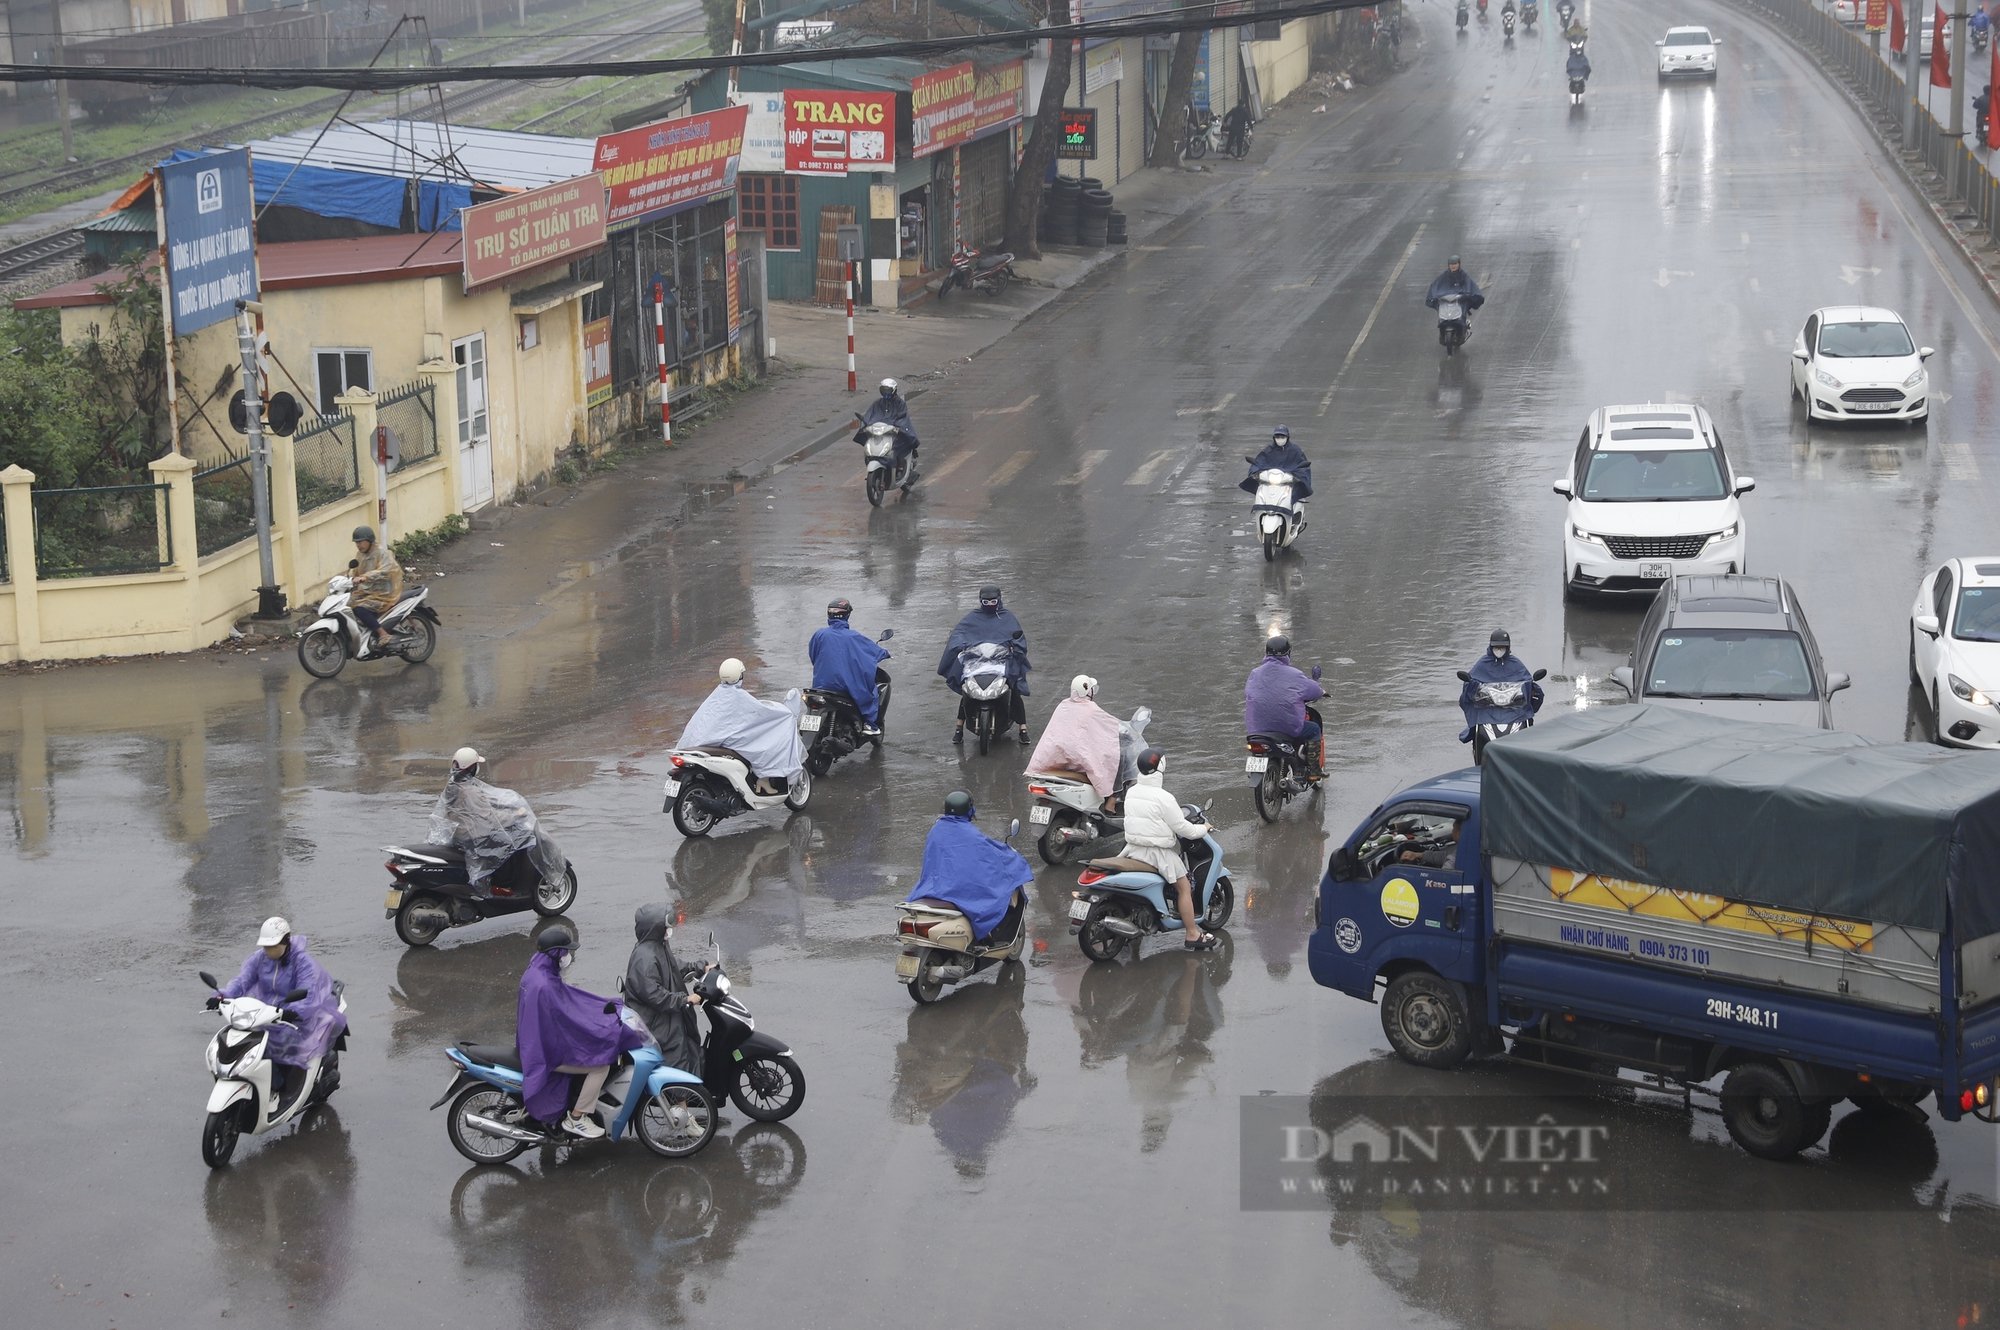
[(717, 750), (493, 1055), (1121, 865), (931, 905), (1076, 776), (451, 854), (409, 593), (1284, 741)]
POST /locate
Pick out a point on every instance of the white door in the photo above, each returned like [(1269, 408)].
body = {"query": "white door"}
[(475, 439)]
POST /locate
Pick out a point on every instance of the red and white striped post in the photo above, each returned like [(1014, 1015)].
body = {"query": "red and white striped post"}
[(850, 325), (660, 321)]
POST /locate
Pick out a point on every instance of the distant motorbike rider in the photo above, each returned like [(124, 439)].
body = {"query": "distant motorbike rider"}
[(378, 582), (766, 734), (1578, 70), (656, 986), (1981, 106), (889, 408), (970, 871), (1081, 736), (1456, 281), (489, 825), (1497, 664), (561, 1032), (1980, 25), (1155, 826), (279, 966), (1275, 698), (848, 663), (1281, 454), (991, 622), (1235, 125)]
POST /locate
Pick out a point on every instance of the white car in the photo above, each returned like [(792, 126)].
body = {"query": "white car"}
[(1955, 650), (1850, 11), (1651, 496), (1851, 362), (1687, 51)]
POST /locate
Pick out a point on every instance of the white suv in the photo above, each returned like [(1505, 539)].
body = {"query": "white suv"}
[(1651, 496), (1687, 51)]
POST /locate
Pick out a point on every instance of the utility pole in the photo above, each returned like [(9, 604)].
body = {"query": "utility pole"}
[(1955, 122), (735, 50), (62, 85), (1912, 88), (270, 596)]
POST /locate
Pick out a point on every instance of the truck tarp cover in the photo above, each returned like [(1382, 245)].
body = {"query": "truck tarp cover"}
[(1768, 814)]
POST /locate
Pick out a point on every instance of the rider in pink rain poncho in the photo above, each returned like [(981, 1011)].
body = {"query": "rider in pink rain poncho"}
[(1081, 736)]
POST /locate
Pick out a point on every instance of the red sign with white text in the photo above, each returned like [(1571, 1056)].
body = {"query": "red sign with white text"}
[(548, 225), (671, 163), (949, 106), (832, 133)]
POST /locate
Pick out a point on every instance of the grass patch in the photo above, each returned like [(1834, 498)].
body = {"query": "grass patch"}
[(423, 544)]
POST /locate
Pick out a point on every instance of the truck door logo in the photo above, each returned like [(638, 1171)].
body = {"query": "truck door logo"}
[(1399, 902), (1347, 935)]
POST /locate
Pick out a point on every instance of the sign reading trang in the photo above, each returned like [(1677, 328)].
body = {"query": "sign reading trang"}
[(211, 248), (509, 236), (669, 164), (832, 133)]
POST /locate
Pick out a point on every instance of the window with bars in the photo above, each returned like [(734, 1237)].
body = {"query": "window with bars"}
[(769, 203)]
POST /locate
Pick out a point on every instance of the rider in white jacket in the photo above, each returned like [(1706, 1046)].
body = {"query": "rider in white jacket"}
[(1154, 829)]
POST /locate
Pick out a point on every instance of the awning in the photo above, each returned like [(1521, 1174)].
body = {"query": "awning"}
[(541, 299)]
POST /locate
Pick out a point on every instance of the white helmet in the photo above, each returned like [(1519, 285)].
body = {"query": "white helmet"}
[(731, 671), (276, 929), (888, 385), (1082, 686), (465, 759)]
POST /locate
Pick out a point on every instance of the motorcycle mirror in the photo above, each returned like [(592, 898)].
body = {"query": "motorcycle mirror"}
[(1013, 828), (886, 634), (354, 563), (611, 1009), (296, 995), (1315, 671), (1251, 460), (1463, 677), (206, 978), (1539, 675), (1210, 804)]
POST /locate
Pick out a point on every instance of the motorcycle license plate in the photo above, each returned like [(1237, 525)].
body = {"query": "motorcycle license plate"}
[(810, 724), (907, 964), (673, 792), (1660, 570), (1039, 815), (1079, 910), (394, 901), (1256, 765)]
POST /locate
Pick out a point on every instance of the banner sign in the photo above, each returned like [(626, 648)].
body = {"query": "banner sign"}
[(1877, 15), (509, 236), (950, 106), (597, 361), (732, 270), (1103, 66), (1079, 134), (764, 132), (670, 164), (996, 95), (832, 133), (210, 238)]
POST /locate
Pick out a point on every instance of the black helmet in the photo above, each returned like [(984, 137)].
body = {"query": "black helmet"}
[(1500, 638), (989, 595), (1149, 761), (1278, 646), (839, 608), (556, 937), (958, 804), (366, 533)]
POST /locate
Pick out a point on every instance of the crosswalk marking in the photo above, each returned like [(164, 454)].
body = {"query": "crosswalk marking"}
[(1959, 461), (1011, 468), (951, 466), (1151, 467), (1088, 464)]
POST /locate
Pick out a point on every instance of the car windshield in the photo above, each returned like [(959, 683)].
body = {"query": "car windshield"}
[(1978, 618), (1719, 663), (1689, 39), (1854, 341), (1638, 477)]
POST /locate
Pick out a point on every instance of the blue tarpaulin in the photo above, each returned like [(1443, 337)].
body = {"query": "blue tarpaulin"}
[(360, 195)]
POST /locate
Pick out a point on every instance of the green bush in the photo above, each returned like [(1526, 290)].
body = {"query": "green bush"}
[(423, 544)]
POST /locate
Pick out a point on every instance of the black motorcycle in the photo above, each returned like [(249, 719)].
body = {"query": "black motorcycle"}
[(1281, 768), (987, 689), (431, 891), (757, 1072), (831, 724), (1464, 17)]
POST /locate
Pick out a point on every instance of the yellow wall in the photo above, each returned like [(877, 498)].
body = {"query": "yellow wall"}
[(1284, 65)]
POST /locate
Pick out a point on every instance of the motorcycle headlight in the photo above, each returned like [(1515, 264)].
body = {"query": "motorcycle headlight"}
[(1916, 377), (251, 1056), (1826, 378), (1581, 534), (1966, 692)]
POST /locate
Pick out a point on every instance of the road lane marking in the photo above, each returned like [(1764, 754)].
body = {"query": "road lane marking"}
[(1388, 287), (1013, 410), (1959, 462), (1091, 461), (954, 464), (1010, 468), (1215, 410), (1151, 467)]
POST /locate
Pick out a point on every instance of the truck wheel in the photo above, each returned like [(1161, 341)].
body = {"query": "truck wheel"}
[(1764, 1113), (1426, 1021)]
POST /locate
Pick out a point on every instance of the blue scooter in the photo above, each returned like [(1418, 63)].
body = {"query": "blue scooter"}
[(674, 1114), (1122, 900)]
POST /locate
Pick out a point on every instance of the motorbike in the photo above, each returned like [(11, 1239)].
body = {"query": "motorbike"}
[(987, 686), (670, 1109), (242, 1100), (740, 1062), (1280, 517), (1119, 901), (1564, 12), (939, 950), (1979, 36), (974, 271), (1202, 132), (336, 634), (1515, 702), (831, 726), (1067, 806), (885, 470), (430, 891), (1528, 16), (1281, 768), (1482, 10), (1454, 324), (709, 783), (1464, 17), (1507, 23), (1576, 92)]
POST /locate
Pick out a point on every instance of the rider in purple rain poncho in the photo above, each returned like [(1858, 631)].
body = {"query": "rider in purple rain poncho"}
[(562, 1031), (1275, 697), (278, 966)]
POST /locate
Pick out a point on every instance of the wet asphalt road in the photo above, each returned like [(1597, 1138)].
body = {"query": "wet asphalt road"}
[(1063, 1142)]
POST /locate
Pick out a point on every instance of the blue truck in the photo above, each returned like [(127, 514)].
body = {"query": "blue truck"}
[(1663, 895)]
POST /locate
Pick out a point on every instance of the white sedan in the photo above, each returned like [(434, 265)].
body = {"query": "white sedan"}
[(1850, 11), (1687, 51), (1955, 649), (1851, 362)]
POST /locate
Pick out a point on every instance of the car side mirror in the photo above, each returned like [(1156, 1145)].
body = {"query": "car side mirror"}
[(1799, 354), (1659, 43), (206, 978), (1622, 676), (1463, 677), (1744, 484), (1926, 623), (1835, 682), (296, 995), (1562, 487), (1926, 352), (1539, 675)]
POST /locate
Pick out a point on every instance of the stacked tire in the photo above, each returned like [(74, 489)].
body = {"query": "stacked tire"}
[(1093, 219), (1059, 211), (1114, 230)]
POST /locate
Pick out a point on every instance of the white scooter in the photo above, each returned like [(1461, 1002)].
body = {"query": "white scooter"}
[(884, 471), (337, 634), (1280, 517), (710, 782), (242, 1100)]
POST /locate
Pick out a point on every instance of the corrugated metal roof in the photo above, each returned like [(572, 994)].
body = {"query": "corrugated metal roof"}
[(129, 221), (499, 158)]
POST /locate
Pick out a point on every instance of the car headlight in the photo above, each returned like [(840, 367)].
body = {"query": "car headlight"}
[(1728, 532), (1966, 692), (1826, 378), (1916, 377), (1581, 534)]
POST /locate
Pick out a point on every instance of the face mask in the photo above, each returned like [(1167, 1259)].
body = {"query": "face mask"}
[(568, 958), (1499, 653)]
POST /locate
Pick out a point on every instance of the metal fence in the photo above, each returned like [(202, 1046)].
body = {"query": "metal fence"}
[(102, 530), (326, 466), (225, 510), (410, 413)]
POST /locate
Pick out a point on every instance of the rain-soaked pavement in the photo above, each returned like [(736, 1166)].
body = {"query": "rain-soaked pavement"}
[(1064, 1141)]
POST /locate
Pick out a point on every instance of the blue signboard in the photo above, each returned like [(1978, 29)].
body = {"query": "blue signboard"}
[(211, 260), (1198, 90)]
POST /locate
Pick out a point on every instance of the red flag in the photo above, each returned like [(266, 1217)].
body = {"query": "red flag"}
[(1896, 25), (1992, 120), (1940, 53)]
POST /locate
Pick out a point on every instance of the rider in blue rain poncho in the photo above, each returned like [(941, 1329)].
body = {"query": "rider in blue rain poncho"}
[(1281, 454), (1454, 281), (1498, 664), (845, 662), (991, 622), (969, 870)]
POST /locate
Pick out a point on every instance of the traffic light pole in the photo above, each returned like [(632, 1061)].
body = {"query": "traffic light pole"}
[(270, 596)]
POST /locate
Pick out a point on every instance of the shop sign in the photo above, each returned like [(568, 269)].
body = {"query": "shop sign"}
[(950, 106), (552, 224), (670, 164), (732, 271), (764, 132), (1079, 134), (997, 93), (832, 133), (597, 361), (1102, 67)]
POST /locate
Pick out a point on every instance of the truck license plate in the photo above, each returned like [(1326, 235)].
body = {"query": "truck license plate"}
[(1256, 765), (906, 965), (1661, 570), (810, 724), (1039, 815), (1079, 909)]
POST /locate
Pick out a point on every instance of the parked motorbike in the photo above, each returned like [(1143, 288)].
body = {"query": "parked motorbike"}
[(988, 689), (430, 891), (938, 948), (1119, 901), (488, 1123), (710, 783), (328, 642), (1281, 768), (1067, 806), (831, 725), (1201, 132), (739, 1062), (1280, 517), (885, 471), (973, 271), (1454, 324), (242, 1099), (1512, 705)]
